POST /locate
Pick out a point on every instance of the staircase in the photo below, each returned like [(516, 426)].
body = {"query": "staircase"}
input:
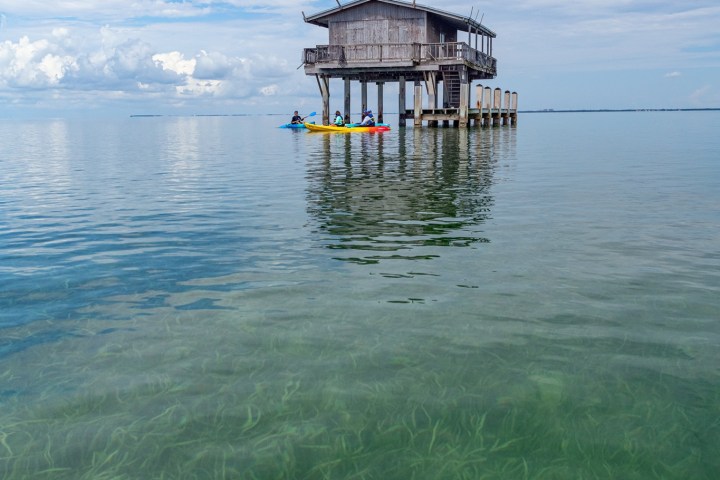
[(451, 87)]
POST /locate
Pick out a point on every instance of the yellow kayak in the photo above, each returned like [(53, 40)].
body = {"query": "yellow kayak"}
[(334, 128)]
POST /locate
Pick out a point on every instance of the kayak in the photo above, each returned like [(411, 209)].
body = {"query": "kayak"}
[(359, 125), (298, 125), (334, 128), (293, 125)]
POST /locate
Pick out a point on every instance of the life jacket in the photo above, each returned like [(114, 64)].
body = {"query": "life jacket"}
[(339, 120)]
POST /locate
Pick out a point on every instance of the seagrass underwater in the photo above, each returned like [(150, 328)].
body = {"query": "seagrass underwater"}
[(214, 297)]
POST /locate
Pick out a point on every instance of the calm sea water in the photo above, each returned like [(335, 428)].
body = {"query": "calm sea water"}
[(214, 297)]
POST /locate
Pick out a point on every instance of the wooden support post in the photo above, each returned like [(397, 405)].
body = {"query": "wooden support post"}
[(431, 87), (380, 102), (324, 84), (363, 97), (401, 101), (418, 105), (487, 114), (506, 108), (346, 107), (513, 106), (479, 104), (478, 96), (464, 100), (497, 99)]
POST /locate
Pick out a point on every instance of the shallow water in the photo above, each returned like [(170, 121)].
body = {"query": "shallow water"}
[(191, 297)]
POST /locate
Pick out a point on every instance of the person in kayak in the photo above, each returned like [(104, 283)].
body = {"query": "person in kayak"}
[(339, 121), (296, 118), (368, 120)]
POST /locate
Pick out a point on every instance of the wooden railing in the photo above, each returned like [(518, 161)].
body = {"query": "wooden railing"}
[(416, 53)]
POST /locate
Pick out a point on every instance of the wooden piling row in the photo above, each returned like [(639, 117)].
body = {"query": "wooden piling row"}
[(493, 107)]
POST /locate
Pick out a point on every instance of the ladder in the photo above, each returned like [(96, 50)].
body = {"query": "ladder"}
[(451, 87)]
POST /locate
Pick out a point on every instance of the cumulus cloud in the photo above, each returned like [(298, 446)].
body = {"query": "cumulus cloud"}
[(175, 62), (215, 65), (111, 62), (33, 64), (269, 90)]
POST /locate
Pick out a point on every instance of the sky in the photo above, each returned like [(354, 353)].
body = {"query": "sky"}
[(187, 57)]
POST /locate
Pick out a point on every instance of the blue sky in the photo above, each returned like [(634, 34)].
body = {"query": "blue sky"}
[(184, 57)]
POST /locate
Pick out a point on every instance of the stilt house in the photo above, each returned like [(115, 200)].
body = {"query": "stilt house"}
[(397, 41)]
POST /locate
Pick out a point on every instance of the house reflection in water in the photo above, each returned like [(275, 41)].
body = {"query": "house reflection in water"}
[(404, 195)]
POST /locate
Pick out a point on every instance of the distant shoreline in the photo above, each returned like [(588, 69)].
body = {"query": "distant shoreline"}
[(551, 110), (547, 110)]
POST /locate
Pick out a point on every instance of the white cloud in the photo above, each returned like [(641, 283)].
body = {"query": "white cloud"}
[(32, 64), (603, 35), (194, 87), (175, 62), (673, 74), (114, 66), (269, 90), (215, 65), (55, 67)]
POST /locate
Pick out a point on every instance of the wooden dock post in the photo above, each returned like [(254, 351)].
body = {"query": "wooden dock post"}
[(380, 101), (464, 100), (487, 114), (401, 101), (431, 86), (513, 106), (506, 110), (363, 97), (477, 117), (346, 107), (324, 85), (418, 102), (497, 99)]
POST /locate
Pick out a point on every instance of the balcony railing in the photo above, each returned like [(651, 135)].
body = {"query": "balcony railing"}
[(414, 53)]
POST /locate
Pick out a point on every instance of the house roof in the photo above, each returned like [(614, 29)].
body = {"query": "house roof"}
[(458, 21)]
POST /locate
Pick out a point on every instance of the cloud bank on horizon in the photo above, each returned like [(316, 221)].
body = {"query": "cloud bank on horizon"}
[(242, 56)]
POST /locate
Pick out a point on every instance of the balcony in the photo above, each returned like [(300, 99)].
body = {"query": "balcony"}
[(400, 56)]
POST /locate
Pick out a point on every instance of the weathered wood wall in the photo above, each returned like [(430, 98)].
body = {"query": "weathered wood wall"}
[(382, 23), (436, 28)]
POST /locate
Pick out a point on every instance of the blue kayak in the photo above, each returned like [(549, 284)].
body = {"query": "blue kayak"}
[(293, 125)]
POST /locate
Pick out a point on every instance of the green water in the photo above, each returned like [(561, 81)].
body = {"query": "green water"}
[(210, 301)]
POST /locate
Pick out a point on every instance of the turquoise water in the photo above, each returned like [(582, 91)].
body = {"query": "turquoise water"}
[(191, 297)]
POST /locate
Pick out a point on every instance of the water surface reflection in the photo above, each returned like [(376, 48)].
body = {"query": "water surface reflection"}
[(390, 196)]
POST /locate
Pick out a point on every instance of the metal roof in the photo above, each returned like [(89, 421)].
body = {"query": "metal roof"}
[(461, 23)]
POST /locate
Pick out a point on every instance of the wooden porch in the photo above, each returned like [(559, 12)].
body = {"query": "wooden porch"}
[(405, 60)]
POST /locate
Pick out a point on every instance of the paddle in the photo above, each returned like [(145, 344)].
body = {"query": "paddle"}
[(311, 114)]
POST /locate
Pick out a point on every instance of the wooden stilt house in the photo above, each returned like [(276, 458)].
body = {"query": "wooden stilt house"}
[(398, 41)]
